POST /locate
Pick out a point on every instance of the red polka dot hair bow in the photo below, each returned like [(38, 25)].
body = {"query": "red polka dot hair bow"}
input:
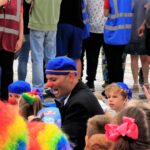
[(128, 128)]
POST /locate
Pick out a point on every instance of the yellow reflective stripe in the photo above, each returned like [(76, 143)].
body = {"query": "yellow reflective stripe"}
[(121, 15), (113, 28), (8, 30)]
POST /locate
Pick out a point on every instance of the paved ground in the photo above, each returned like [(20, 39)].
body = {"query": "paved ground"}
[(99, 80)]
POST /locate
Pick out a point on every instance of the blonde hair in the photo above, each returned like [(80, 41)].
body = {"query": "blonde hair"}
[(113, 87)]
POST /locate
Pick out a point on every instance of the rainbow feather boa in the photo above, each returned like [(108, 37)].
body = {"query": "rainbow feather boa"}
[(46, 136), (13, 130)]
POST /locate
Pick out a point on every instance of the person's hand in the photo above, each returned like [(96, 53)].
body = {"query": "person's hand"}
[(18, 45), (147, 93), (141, 30)]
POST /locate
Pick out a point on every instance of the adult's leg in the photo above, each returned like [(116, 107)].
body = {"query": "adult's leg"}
[(114, 60), (49, 47), (75, 47), (84, 47), (134, 68), (6, 63), (23, 59), (37, 54), (104, 69), (92, 53), (145, 69)]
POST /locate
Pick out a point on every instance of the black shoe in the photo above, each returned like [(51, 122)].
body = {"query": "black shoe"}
[(91, 86)]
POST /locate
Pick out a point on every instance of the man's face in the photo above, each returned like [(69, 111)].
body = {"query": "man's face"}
[(60, 84)]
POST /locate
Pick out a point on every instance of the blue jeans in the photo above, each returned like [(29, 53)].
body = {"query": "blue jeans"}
[(43, 47), (23, 59)]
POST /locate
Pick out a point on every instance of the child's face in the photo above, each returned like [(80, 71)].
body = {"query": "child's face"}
[(116, 101), (14, 96)]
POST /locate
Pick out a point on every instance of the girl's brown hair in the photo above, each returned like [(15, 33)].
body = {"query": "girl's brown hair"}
[(27, 109), (142, 118)]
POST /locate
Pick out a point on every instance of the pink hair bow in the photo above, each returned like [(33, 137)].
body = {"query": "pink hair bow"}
[(127, 128)]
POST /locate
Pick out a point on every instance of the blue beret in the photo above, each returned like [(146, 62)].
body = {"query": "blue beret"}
[(61, 66), (125, 88), (19, 87)]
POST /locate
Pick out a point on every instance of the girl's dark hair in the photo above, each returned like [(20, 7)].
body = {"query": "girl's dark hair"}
[(142, 119)]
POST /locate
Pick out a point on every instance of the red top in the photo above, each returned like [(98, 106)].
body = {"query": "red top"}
[(106, 4)]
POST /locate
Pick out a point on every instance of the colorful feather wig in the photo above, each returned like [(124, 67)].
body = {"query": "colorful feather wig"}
[(13, 130), (46, 136)]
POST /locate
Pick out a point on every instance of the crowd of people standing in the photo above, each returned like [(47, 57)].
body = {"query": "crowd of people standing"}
[(59, 33)]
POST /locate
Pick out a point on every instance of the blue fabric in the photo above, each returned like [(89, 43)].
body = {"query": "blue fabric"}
[(60, 66), (23, 59), (21, 145), (51, 115), (69, 40), (86, 30), (123, 35), (126, 88), (19, 87)]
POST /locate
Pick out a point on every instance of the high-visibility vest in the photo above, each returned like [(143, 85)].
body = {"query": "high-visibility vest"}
[(9, 25), (117, 29), (86, 29)]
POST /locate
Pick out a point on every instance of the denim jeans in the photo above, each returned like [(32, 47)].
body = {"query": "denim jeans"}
[(43, 47), (23, 59)]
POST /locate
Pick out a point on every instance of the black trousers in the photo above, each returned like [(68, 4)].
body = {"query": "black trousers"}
[(92, 47), (6, 64), (114, 55)]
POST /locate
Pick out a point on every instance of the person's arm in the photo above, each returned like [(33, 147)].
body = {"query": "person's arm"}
[(28, 1), (141, 29), (20, 37), (106, 8), (3, 2)]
